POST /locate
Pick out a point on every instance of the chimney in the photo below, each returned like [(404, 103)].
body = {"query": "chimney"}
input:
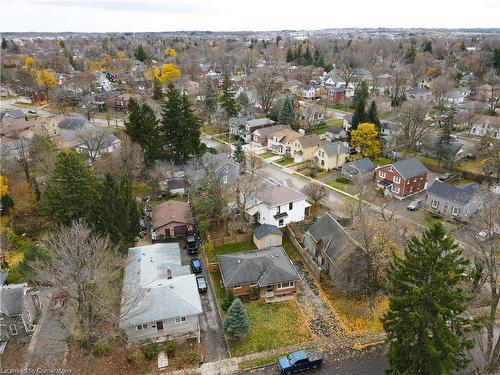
[(169, 273)]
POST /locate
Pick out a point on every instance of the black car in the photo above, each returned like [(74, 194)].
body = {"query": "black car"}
[(195, 265), (202, 283), (191, 245)]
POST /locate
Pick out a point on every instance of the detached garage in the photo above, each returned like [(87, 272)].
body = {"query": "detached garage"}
[(172, 219)]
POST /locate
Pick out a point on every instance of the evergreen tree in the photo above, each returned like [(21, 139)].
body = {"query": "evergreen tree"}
[(445, 142), (140, 54), (142, 127), (239, 155), (116, 212), (316, 57), (298, 55), (360, 96), (180, 126), (496, 59), (69, 193), (157, 91), (427, 47), (289, 55), (308, 58), (4, 43), (228, 100), (372, 115), (425, 322), (462, 46), (410, 55), (236, 324), (286, 115), (243, 102), (228, 300), (209, 103)]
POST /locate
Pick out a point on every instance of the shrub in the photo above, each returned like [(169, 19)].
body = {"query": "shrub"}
[(100, 347), (170, 347), (342, 180), (254, 293), (133, 357), (150, 351), (228, 300), (380, 192)]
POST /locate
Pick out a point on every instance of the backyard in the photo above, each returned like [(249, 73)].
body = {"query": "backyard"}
[(340, 107), (284, 161), (230, 248), (212, 129), (225, 138), (381, 161)]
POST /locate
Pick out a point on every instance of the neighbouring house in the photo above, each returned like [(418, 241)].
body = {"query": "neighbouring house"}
[(419, 94), (451, 200), (336, 94), (331, 155), (70, 128), (456, 97), (253, 125), (333, 133), (261, 135), (486, 125), (269, 271), (267, 235), (222, 166), (360, 167), (280, 141), (19, 311), (99, 147), (306, 91), (176, 186), (333, 250), (171, 219), (303, 148), (160, 299), (347, 122), (403, 178), (276, 204), (11, 114), (237, 125)]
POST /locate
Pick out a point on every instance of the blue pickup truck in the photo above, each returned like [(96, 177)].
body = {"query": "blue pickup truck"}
[(299, 361)]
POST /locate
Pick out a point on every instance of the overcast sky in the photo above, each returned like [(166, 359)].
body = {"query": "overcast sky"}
[(234, 15)]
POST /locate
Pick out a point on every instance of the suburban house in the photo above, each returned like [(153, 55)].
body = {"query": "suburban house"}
[(280, 141), (176, 186), (335, 133), (266, 235), (253, 125), (237, 124), (276, 204), (19, 311), (360, 167), (346, 124), (270, 271), (456, 97), (70, 128), (261, 135), (106, 145), (451, 200), (333, 250), (306, 91), (11, 114), (303, 148), (403, 178), (160, 299), (486, 124), (331, 155), (171, 219), (419, 94), (336, 94), (222, 166)]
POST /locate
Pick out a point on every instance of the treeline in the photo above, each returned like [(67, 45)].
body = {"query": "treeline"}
[(303, 56)]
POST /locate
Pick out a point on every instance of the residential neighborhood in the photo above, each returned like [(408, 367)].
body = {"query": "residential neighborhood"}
[(248, 202)]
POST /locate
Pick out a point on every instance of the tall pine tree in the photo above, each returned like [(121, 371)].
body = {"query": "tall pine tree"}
[(209, 103), (372, 115), (286, 115), (445, 143), (157, 91), (425, 322), (140, 54), (228, 101), (236, 324), (239, 155), (69, 193), (289, 55)]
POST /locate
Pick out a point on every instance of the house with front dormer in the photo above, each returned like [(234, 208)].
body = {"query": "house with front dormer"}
[(403, 178), (486, 125), (280, 142), (303, 148), (331, 155)]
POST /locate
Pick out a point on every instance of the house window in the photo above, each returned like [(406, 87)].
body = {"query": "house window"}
[(396, 179), (142, 326), (180, 319), (278, 209), (381, 174), (435, 203), (285, 285), (253, 285), (290, 206), (395, 189), (224, 179), (280, 223), (455, 211), (390, 168), (237, 287), (13, 329)]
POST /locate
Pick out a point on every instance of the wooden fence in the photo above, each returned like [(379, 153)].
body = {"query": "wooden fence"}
[(308, 259), (236, 238)]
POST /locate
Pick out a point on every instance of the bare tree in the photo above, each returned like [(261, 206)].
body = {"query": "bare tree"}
[(267, 86), (316, 192), (92, 140), (481, 238), (347, 65), (492, 96), (313, 115), (86, 268), (440, 86), (399, 83), (412, 123)]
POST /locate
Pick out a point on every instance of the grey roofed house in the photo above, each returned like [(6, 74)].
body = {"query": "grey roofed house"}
[(176, 186), (409, 168), (277, 194), (11, 299), (265, 229), (258, 122), (264, 132), (264, 267), (242, 120), (453, 193), (363, 165), (333, 148), (222, 165), (11, 113), (348, 118), (334, 129), (73, 123)]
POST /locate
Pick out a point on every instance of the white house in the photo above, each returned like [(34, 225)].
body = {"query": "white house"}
[(307, 91), (276, 204), (486, 124)]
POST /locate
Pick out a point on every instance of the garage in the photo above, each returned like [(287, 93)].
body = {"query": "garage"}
[(180, 230)]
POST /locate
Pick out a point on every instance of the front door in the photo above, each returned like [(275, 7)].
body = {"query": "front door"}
[(159, 325)]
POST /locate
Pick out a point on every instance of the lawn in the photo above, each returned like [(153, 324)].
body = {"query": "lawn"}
[(231, 248), (267, 154), (291, 251), (335, 122), (340, 107), (284, 161), (272, 326), (225, 138), (380, 162), (428, 160), (212, 129)]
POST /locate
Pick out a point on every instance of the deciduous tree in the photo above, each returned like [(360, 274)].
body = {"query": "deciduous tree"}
[(366, 138)]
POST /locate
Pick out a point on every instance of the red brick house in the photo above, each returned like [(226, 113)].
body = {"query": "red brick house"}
[(336, 94), (402, 179)]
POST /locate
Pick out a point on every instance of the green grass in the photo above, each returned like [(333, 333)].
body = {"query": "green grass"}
[(225, 138), (335, 122), (428, 160), (218, 291), (212, 129), (231, 248), (141, 188), (267, 154), (291, 251), (340, 107), (272, 326), (387, 115), (382, 161), (338, 185), (284, 161)]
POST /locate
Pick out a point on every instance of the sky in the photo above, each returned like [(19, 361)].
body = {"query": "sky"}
[(239, 15)]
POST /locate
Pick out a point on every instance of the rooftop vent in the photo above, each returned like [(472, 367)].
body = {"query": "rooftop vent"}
[(169, 273), (239, 261)]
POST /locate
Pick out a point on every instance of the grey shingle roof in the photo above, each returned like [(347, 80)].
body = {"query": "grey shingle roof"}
[(12, 299), (332, 148), (258, 122), (275, 195), (453, 193), (73, 123), (3, 277), (363, 165), (310, 140), (264, 267), (14, 113), (265, 229), (409, 168)]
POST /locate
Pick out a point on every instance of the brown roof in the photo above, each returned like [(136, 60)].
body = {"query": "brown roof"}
[(275, 195), (171, 211), (492, 120), (19, 125), (287, 134), (310, 140)]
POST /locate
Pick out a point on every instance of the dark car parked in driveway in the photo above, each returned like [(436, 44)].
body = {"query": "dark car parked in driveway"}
[(202, 283), (191, 245), (195, 265)]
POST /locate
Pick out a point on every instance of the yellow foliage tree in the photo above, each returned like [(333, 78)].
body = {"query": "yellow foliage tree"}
[(152, 73), (169, 71), (104, 63), (170, 52), (4, 186), (366, 138), (120, 55), (45, 79), (432, 72)]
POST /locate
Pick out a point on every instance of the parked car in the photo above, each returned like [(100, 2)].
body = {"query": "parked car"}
[(58, 301), (470, 156), (33, 111), (195, 265), (299, 361), (191, 245), (414, 205), (202, 283)]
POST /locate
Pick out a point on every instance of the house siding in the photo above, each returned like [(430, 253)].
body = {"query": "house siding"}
[(446, 207), (297, 213), (330, 162), (168, 229), (268, 241), (407, 187), (171, 330)]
